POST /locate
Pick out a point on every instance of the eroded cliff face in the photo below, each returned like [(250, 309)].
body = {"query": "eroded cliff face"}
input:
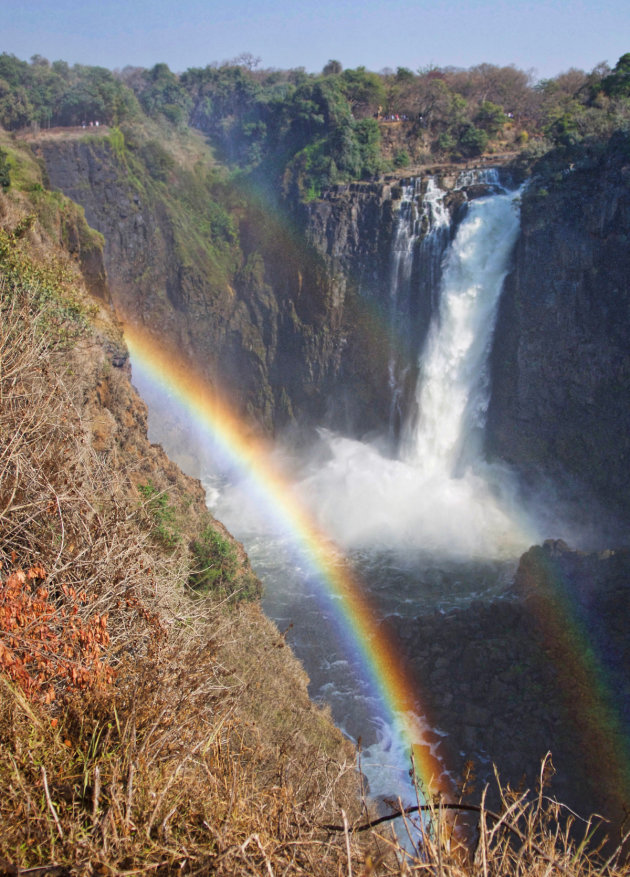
[(351, 227), (561, 361), (292, 322), (254, 309)]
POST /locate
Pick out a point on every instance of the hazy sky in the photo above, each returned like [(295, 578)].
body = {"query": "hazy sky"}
[(548, 36)]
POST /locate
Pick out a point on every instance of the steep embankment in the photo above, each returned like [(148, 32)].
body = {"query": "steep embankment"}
[(561, 363), (209, 266), (138, 727)]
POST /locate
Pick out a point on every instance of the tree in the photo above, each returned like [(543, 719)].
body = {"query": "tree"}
[(247, 60), (5, 177), (490, 118), (472, 141), (617, 84), (333, 68), (364, 90), (164, 94)]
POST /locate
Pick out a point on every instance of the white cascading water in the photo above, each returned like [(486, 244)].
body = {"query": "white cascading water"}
[(453, 389), (421, 234), (439, 496)]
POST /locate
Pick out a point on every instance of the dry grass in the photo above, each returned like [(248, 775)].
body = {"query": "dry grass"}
[(175, 765), (203, 755), (529, 836)]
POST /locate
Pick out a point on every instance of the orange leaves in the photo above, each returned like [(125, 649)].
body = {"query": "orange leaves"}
[(43, 644)]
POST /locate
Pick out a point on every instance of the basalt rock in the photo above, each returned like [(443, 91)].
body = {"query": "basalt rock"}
[(263, 323), (544, 668), (561, 359)]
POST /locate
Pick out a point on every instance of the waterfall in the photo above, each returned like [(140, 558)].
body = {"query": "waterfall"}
[(438, 496), (420, 237), (453, 387)]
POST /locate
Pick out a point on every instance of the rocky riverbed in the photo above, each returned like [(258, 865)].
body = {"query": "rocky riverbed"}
[(544, 667)]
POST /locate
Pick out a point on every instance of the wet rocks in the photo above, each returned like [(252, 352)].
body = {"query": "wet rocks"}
[(561, 361), (509, 680)]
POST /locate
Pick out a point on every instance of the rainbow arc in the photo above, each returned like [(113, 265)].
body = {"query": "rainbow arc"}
[(251, 457)]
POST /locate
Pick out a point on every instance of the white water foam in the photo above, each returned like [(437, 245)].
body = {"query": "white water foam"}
[(453, 390), (440, 496)]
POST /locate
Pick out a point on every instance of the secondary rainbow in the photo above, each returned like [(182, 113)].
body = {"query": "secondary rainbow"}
[(251, 456), (590, 693)]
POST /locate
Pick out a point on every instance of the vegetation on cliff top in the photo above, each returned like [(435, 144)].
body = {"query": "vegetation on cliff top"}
[(138, 731), (307, 131)]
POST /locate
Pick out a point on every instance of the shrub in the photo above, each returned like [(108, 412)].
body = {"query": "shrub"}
[(401, 158), (5, 177), (216, 562), (162, 513), (473, 141)]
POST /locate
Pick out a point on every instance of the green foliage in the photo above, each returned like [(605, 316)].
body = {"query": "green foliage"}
[(45, 95), (217, 567), (490, 118), (472, 141), (162, 515), (562, 128), (617, 84), (401, 158), (226, 103), (5, 176), (445, 142), (158, 162), (55, 305), (296, 132), (368, 135), (364, 90), (403, 74), (162, 93), (116, 140)]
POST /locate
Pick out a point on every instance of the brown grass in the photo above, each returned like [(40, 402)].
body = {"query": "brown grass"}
[(177, 764), (203, 755)]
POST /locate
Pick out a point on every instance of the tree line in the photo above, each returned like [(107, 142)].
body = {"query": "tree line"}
[(311, 130)]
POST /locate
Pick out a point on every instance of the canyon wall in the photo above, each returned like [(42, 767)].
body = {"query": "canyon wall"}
[(234, 289), (290, 316), (561, 363)]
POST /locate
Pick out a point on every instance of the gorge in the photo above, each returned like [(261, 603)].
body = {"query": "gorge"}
[(379, 323), (328, 329), (330, 326)]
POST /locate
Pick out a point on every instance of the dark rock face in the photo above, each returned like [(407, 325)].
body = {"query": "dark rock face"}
[(295, 328), (265, 326), (544, 668), (561, 360), (351, 228)]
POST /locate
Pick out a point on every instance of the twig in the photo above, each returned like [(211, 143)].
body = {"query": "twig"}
[(405, 811), (470, 808), (347, 834), (50, 803), (96, 792)]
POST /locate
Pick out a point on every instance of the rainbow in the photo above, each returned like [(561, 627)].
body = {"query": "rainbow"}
[(251, 457), (587, 684)]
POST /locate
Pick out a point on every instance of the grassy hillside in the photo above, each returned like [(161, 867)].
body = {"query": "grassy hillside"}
[(151, 719), (137, 727)]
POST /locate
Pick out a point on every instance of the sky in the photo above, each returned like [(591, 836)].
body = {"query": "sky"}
[(545, 37)]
